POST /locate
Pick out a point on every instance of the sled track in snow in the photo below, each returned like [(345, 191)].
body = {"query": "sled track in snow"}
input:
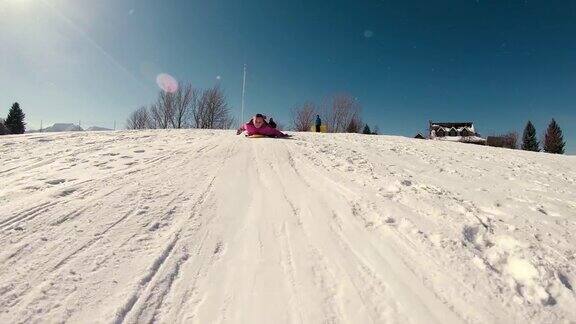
[(156, 284)]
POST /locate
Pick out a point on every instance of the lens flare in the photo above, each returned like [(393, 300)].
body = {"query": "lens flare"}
[(167, 82)]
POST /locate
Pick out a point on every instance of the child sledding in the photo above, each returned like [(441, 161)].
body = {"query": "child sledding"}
[(259, 127)]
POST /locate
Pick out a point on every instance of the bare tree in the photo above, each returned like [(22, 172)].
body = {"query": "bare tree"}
[(157, 116), (343, 110), (184, 100), (511, 140), (164, 110), (186, 107), (211, 110), (167, 106), (355, 125), (139, 119), (303, 117)]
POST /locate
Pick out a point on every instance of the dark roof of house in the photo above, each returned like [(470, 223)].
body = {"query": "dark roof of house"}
[(450, 125)]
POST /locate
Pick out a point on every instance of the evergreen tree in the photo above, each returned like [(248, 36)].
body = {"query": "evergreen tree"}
[(553, 140), (3, 129), (529, 141), (15, 120), (366, 129)]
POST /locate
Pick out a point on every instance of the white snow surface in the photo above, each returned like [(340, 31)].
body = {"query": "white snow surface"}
[(97, 129), (199, 226)]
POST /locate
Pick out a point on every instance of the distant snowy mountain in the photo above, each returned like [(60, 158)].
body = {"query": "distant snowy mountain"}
[(67, 127), (63, 127)]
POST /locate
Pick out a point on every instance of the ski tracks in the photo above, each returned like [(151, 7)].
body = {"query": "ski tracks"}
[(29, 291), (350, 290), (378, 297), (153, 292), (188, 227)]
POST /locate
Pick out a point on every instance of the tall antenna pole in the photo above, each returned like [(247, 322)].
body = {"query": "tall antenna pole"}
[(243, 93)]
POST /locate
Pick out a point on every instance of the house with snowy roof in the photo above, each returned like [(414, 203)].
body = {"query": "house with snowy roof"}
[(455, 131)]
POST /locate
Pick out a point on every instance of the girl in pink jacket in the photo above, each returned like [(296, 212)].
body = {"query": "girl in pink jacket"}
[(258, 126)]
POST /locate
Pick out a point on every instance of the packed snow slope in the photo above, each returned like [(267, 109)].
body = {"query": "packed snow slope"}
[(208, 227)]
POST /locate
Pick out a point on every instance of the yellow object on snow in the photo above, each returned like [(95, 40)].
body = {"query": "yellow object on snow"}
[(323, 129)]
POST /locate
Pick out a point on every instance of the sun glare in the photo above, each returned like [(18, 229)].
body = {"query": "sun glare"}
[(18, 3)]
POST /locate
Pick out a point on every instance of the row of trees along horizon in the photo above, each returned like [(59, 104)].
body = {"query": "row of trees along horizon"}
[(552, 141), (189, 107)]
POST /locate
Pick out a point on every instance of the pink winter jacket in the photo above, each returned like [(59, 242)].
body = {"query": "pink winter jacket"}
[(265, 130)]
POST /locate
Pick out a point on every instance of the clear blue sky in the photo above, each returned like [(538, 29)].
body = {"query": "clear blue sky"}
[(497, 63)]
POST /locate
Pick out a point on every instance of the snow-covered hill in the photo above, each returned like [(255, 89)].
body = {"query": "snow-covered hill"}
[(205, 226), (97, 129)]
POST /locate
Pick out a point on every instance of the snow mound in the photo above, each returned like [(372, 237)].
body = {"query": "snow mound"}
[(191, 226), (97, 129)]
